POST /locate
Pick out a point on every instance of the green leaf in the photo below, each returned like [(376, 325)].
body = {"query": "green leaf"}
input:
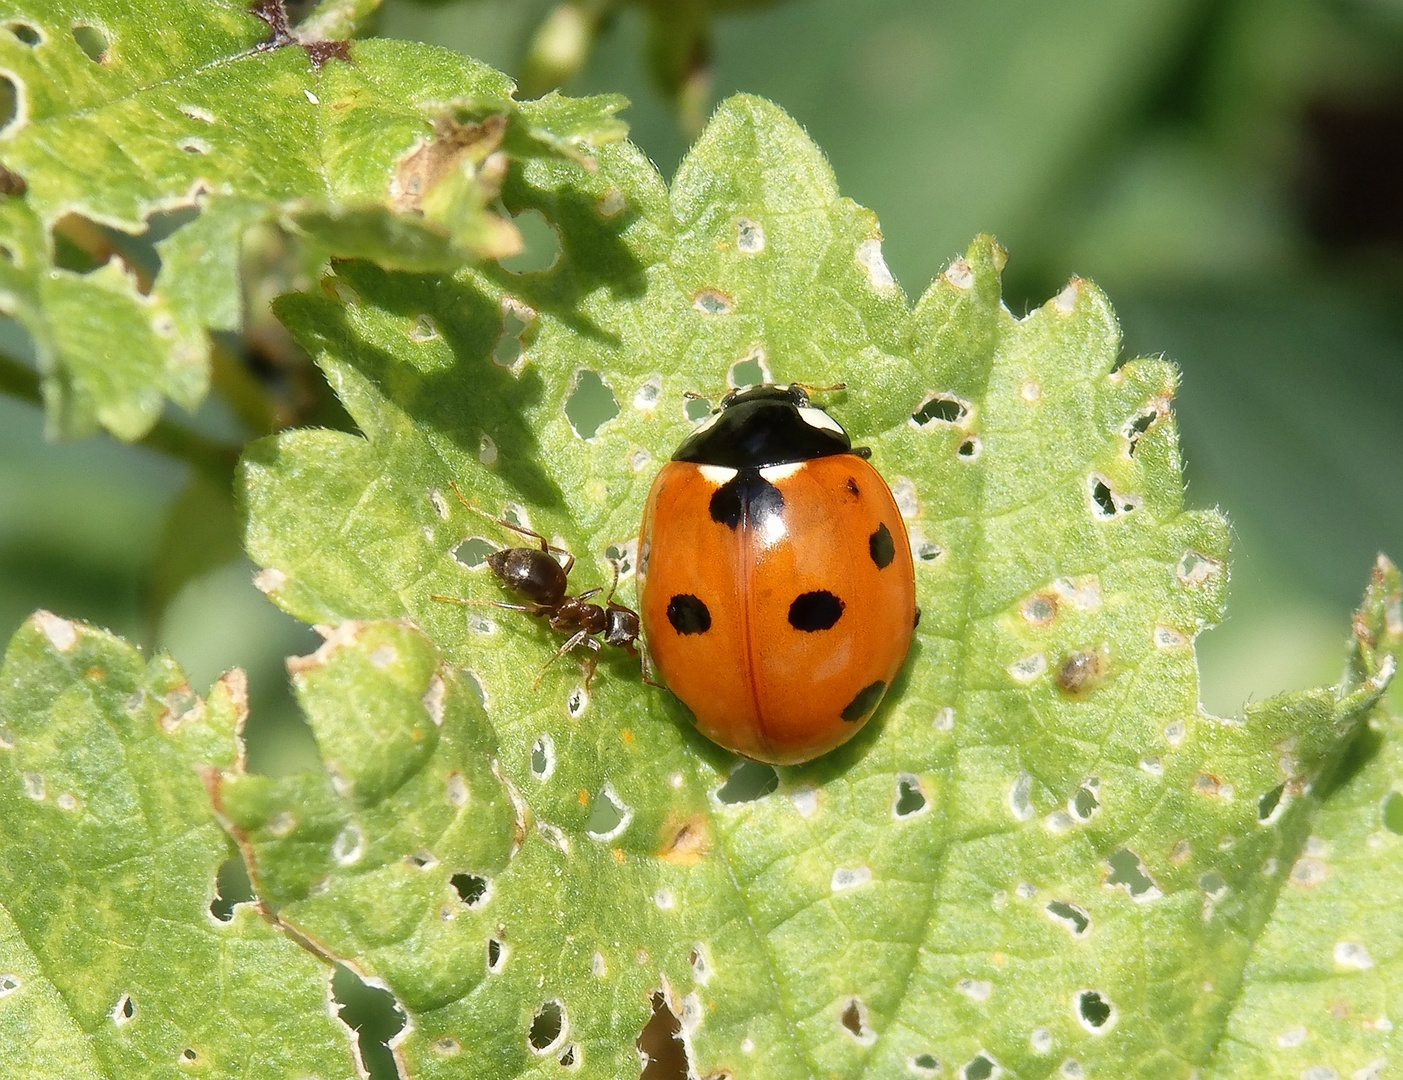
[(185, 106), (1041, 855), (111, 962)]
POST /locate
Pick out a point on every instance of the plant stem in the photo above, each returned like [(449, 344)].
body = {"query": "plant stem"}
[(213, 460)]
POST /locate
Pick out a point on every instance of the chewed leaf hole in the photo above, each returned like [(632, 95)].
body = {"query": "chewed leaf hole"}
[(540, 244), (9, 984), (750, 780), (1084, 803), (940, 408), (980, 1067), (548, 1027), (749, 372), (9, 102), (26, 34), (1077, 920), (1270, 803), (924, 1065), (473, 552), (231, 887), (92, 41), (124, 1011), (910, 799), (1094, 1011), (543, 757), (609, 816), (496, 955), (591, 405), (1101, 496), (1128, 870), (1393, 813), (660, 1044), (696, 408), (189, 1056), (471, 888), (374, 1015), (854, 1021)]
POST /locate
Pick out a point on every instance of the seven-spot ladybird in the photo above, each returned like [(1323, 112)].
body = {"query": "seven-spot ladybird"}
[(776, 587), (543, 582)]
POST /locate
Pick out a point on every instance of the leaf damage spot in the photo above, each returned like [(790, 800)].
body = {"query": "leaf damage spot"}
[(701, 964), (61, 633), (1065, 302), (940, 408), (664, 899), (446, 1046), (94, 42), (473, 890), (366, 1006), (1074, 918), (25, 34), (1166, 637), (1095, 1012), (124, 1011), (269, 580), (750, 370), (1352, 955), (869, 257), (1106, 503), (944, 719), (609, 817), (845, 878), (611, 204), (591, 405), (970, 448), (959, 274), (543, 757), (34, 787), (349, 845), (1028, 668), (1039, 609), (685, 841), (981, 1067), (712, 302), (923, 1065), (1020, 796), (910, 797), (979, 990), (1195, 569), (854, 1021), (1082, 671), (231, 888), (453, 146), (549, 1027), (660, 1044), (496, 955), (1040, 1039), (747, 782), (904, 493), (1127, 869), (750, 236)]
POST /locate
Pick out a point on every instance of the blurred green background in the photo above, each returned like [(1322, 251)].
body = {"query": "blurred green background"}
[(1231, 172)]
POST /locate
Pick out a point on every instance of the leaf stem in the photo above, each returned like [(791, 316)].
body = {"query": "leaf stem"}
[(211, 459)]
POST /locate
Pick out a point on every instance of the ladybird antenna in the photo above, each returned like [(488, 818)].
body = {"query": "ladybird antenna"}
[(809, 389)]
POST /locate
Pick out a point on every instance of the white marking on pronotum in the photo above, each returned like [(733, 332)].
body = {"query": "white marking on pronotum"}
[(776, 473), (819, 419), (716, 474)]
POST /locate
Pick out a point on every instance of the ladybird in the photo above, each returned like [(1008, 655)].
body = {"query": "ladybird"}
[(775, 582)]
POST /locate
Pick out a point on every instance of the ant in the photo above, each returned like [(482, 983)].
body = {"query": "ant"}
[(544, 583)]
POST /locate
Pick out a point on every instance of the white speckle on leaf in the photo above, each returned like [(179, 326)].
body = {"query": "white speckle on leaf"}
[(311, 96), (1028, 668), (597, 967), (904, 493), (1174, 732), (1372, 1071), (1351, 954), (959, 274), (487, 450), (382, 656), (1040, 1040), (434, 698), (712, 302), (1292, 1037), (701, 963), (554, 836), (869, 254), (455, 790), (1026, 890), (1319, 1072), (639, 459), (805, 800), (195, 112), (998, 899), (850, 878), (123, 1011), (675, 780), (944, 719), (1032, 393), (1065, 301), (439, 503), (447, 1047), (1166, 637), (9, 984), (1152, 765), (747, 1045), (62, 634), (576, 702), (67, 801), (1083, 593), (1194, 569), (1316, 848), (269, 581), (1269, 868), (193, 144), (1071, 1069), (1020, 801), (645, 398), (481, 624), (424, 329), (750, 236), (34, 786), (282, 824), (975, 989), (349, 845), (610, 204), (1308, 872), (1058, 822), (664, 899)]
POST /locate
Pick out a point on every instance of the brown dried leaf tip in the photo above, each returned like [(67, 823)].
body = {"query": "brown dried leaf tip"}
[(429, 162)]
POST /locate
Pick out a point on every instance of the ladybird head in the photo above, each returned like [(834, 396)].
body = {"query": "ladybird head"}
[(759, 426)]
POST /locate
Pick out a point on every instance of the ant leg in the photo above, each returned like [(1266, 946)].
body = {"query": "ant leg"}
[(520, 530), (572, 643), (530, 609), (644, 664), (591, 661)]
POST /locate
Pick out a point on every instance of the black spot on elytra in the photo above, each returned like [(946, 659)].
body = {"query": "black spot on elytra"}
[(882, 547), (865, 701), (747, 496), (815, 611), (688, 614)]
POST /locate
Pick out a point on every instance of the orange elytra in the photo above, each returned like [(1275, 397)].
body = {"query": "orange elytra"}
[(776, 588)]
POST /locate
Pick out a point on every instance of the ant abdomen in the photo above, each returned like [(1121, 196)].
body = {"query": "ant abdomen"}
[(536, 575)]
